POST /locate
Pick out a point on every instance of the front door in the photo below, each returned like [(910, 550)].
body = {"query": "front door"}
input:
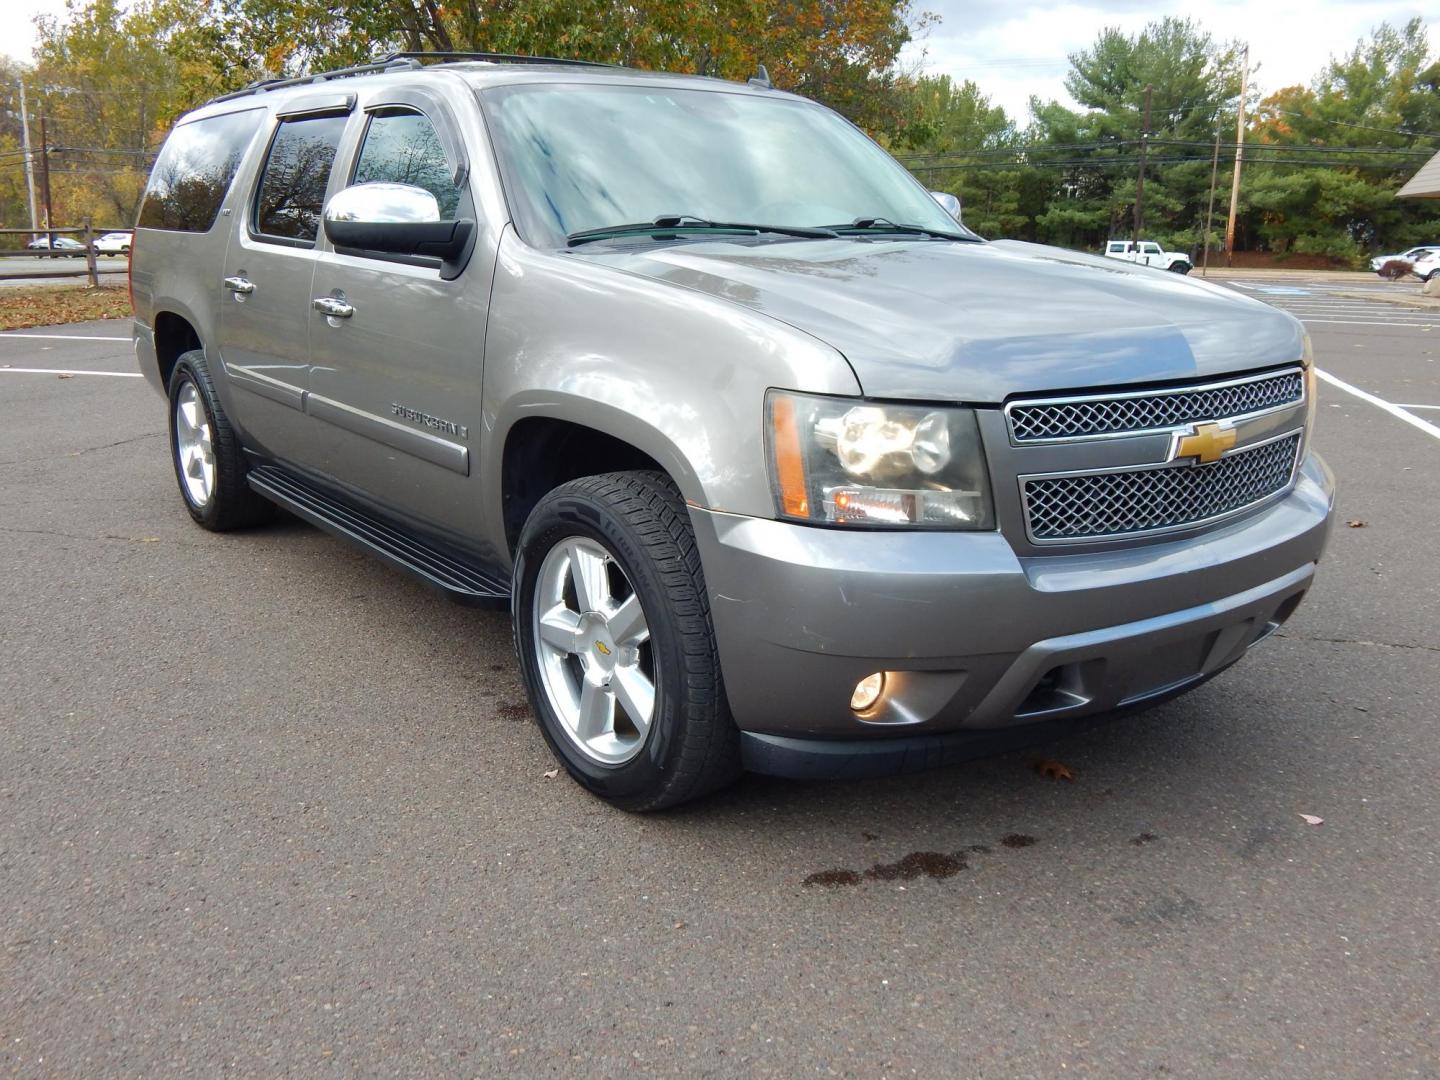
[(269, 267), (396, 349)]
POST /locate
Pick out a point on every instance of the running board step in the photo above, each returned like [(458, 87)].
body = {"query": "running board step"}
[(460, 581)]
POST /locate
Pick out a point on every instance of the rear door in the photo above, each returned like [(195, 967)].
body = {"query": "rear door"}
[(396, 381), (269, 265)]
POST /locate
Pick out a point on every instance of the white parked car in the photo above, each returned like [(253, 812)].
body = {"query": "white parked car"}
[(113, 243), (1412, 255), (1427, 266), (1149, 253)]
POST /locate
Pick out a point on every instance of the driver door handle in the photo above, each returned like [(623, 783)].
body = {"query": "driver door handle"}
[(334, 307), (243, 286)]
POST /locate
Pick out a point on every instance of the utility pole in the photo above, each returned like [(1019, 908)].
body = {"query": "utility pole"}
[(1210, 207), (45, 179), (1239, 152), (1140, 176), (29, 158)]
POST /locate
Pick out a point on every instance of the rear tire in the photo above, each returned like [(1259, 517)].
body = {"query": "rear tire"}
[(595, 555), (210, 465)]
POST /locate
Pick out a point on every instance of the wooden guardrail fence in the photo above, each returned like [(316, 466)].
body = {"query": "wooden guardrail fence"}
[(84, 232)]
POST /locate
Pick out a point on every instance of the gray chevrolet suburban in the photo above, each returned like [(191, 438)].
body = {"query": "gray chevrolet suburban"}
[(775, 463)]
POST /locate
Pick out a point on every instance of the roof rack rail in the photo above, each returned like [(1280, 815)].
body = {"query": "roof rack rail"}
[(494, 58), (260, 86), (399, 61)]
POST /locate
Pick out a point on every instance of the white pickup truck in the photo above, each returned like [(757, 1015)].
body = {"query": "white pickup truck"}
[(1149, 253)]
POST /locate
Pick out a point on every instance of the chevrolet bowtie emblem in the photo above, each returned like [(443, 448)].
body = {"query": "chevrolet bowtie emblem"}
[(1205, 443)]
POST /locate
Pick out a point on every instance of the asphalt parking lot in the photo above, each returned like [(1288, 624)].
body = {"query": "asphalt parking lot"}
[(268, 807)]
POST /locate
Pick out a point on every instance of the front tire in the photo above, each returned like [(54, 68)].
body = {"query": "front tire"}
[(1181, 268), (612, 627), (209, 462)]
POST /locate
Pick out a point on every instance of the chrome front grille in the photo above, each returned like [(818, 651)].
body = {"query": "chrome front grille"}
[(1117, 503), (1157, 410)]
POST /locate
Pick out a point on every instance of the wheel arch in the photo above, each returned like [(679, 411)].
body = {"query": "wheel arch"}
[(547, 445), (174, 335)]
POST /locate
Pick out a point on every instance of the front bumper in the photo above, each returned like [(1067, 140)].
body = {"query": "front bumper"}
[(974, 638)]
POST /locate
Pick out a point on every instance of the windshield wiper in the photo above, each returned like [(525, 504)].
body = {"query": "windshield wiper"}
[(885, 225), (667, 224)]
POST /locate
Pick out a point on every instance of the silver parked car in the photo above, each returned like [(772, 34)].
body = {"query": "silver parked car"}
[(1410, 255), (775, 464), (59, 245)]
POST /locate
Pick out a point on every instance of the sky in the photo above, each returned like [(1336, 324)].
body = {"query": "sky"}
[(1015, 48)]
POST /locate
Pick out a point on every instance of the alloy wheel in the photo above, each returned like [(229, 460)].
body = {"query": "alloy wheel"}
[(592, 649), (194, 449)]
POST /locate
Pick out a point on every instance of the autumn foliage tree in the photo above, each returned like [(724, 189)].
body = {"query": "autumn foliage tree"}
[(110, 80), (1323, 163), (842, 52)]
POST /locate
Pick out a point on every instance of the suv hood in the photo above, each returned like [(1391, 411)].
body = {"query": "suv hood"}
[(981, 322)]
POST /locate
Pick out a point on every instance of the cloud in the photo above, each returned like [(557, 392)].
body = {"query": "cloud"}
[(1015, 48), (19, 40)]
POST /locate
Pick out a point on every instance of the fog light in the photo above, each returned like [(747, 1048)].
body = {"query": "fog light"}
[(867, 691)]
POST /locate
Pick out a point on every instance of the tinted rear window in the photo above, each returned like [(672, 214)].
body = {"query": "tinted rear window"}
[(194, 171), (297, 171)]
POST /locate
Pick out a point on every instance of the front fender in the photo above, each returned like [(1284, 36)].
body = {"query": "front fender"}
[(680, 375)]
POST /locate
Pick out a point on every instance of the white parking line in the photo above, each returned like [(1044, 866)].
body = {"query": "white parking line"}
[(1380, 403), (1362, 321), (59, 337), (1420, 406), (69, 371)]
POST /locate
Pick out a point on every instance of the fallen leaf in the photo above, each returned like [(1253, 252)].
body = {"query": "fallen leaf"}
[(47, 305), (65, 375), (551, 774), (1311, 819), (1355, 523), (1053, 770)]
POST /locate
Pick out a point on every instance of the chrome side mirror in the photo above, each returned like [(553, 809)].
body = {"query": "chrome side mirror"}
[(383, 204), (398, 220), (949, 203)]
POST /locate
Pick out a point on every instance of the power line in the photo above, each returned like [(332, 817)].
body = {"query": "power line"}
[(1262, 110), (1311, 148), (1128, 163), (1117, 144)]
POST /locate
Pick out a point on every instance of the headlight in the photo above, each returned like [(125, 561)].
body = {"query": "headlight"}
[(848, 462)]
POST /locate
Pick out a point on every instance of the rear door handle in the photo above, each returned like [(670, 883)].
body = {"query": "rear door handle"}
[(334, 307), (243, 286)]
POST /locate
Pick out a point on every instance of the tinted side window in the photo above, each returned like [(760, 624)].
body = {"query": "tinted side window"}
[(194, 171), (291, 194), (401, 147)]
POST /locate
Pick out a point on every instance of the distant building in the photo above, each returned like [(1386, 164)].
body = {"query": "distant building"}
[(1425, 184)]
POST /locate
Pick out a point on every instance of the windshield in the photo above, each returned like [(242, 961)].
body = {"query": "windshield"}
[(580, 157)]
